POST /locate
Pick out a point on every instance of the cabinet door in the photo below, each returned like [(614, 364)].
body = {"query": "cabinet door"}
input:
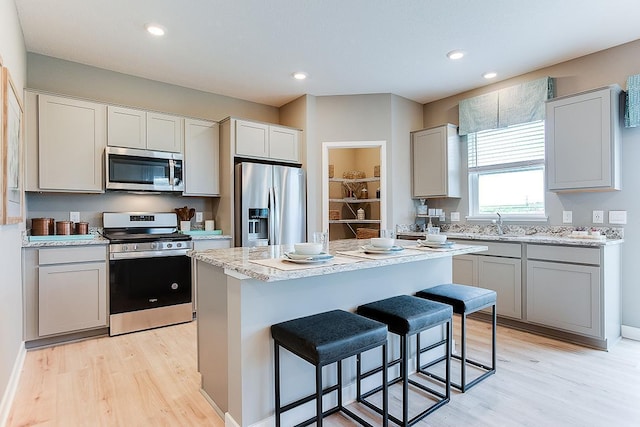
[(127, 127), (564, 296), (71, 142), (252, 139), (465, 270), (201, 158), (164, 132), (283, 144), (503, 275), (581, 142), (435, 155), (202, 245), (72, 297)]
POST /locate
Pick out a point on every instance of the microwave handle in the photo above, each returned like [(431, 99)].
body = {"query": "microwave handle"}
[(172, 172)]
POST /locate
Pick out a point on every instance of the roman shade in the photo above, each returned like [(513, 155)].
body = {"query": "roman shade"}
[(517, 104), (632, 107)]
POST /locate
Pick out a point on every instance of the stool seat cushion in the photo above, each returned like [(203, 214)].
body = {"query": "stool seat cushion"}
[(463, 298), (407, 315), (328, 337)]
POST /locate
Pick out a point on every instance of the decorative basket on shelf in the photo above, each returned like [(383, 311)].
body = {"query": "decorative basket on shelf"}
[(366, 233)]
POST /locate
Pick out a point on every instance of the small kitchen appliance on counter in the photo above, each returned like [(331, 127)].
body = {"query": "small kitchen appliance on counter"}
[(149, 271)]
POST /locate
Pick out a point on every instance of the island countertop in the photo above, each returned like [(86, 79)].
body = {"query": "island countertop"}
[(266, 263)]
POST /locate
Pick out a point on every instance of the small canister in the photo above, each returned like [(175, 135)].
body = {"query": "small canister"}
[(52, 226), (360, 214), (40, 226), (82, 228), (63, 227)]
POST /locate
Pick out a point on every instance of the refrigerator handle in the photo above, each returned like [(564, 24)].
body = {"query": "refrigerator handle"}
[(272, 217)]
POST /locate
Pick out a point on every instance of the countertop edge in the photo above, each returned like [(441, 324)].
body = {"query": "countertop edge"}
[(534, 239)]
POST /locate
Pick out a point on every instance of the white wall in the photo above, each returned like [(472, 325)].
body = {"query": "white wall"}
[(13, 54), (589, 72)]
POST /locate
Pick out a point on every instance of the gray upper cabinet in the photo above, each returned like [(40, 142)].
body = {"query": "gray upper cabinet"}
[(133, 128), (583, 141), (435, 166), (202, 158), (60, 132), (262, 140)]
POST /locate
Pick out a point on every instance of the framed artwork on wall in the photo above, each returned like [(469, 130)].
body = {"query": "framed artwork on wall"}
[(12, 151)]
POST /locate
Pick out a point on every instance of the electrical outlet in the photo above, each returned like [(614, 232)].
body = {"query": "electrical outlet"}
[(74, 216), (198, 216), (567, 217), (455, 216), (598, 217)]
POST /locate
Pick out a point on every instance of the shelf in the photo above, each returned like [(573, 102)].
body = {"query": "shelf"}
[(352, 221), (347, 200), (354, 180)]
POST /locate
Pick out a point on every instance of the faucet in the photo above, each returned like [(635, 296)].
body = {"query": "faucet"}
[(498, 223)]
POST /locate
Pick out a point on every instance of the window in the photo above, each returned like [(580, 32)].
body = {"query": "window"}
[(506, 171)]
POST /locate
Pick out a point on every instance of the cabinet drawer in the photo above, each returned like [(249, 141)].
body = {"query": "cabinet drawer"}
[(564, 254), (65, 255), (511, 250)]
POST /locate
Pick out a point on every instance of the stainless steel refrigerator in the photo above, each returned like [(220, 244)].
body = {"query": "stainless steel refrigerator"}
[(270, 205)]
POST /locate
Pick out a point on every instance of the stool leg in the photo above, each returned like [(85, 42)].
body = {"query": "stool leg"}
[(339, 384), (404, 342), (319, 395), (463, 346), (385, 388), (448, 360), (493, 339), (359, 377), (276, 359)]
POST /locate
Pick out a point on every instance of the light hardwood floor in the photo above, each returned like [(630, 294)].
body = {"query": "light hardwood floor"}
[(150, 379)]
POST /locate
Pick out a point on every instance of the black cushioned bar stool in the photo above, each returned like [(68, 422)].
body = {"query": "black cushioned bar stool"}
[(406, 316), (323, 339), (465, 300)]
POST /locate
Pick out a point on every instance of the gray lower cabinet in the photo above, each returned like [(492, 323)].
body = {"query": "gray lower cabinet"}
[(564, 296), (65, 290), (203, 245), (565, 291), (501, 273)]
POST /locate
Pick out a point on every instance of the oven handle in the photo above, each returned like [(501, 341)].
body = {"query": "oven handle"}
[(147, 254)]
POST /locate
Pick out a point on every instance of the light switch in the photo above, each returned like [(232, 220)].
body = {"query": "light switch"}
[(567, 217), (74, 216), (617, 217)]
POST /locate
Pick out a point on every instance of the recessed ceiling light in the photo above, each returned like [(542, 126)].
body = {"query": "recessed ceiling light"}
[(155, 29), (300, 75), (455, 54), (490, 75)]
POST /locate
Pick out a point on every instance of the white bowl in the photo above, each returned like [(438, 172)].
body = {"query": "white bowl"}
[(437, 238), (382, 242), (308, 248)]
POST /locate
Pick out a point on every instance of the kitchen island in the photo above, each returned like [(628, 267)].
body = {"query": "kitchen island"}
[(243, 291)]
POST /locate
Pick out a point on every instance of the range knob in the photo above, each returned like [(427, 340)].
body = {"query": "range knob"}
[(125, 248), (178, 245), (135, 247), (169, 245), (154, 245)]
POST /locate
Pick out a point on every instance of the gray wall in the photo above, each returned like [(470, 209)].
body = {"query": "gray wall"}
[(588, 72), (13, 54), (372, 117)]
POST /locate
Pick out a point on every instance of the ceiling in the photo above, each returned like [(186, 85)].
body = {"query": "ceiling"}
[(248, 49)]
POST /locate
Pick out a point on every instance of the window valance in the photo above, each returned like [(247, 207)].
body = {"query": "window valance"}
[(632, 107), (522, 103)]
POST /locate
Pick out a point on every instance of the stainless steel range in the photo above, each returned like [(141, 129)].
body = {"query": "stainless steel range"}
[(149, 271)]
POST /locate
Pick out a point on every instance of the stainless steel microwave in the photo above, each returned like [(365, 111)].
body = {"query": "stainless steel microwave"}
[(143, 170)]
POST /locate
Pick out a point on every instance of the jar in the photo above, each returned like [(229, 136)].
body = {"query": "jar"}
[(360, 214), (364, 193), (378, 193)]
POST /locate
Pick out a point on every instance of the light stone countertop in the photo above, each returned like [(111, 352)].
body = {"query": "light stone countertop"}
[(239, 259), (210, 237), (541, 238), (93, 238)]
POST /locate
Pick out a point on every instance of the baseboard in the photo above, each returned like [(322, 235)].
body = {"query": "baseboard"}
[(12, 386), (229, 421), (631, 333)]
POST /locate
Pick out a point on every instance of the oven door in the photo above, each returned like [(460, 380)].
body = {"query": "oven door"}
[(148, 283)]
